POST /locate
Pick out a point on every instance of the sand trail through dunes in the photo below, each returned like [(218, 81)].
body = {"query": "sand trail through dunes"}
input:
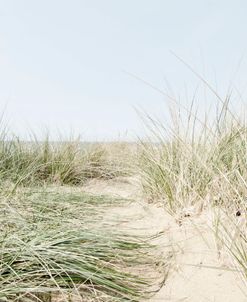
[(196, 274)]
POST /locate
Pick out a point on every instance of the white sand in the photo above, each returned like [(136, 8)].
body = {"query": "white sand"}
[(197, 273)]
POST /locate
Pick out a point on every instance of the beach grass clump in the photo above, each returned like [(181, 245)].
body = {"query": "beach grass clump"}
[(183, 166), (175, 173), (57, 245), (66, 162), (201, 165)]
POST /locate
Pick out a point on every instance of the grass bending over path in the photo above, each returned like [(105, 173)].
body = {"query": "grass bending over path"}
[(56, 244)]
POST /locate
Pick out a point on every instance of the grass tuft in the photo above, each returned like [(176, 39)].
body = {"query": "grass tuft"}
[(200, 165), (56, 244)]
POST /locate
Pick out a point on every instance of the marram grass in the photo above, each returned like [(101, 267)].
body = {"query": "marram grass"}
[(57, 245), (62, 163), (197, 164)]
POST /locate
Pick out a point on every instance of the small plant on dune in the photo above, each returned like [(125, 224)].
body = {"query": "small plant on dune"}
[(231, 238)]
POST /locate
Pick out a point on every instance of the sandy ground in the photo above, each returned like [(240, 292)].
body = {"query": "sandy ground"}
[(197, 273)]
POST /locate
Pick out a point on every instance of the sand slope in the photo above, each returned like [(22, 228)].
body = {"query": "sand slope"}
[(196, 273)]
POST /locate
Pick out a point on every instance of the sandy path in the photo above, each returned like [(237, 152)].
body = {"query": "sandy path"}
[(196, 273)]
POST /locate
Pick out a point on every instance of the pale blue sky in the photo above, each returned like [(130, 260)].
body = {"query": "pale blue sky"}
[(62, 61)]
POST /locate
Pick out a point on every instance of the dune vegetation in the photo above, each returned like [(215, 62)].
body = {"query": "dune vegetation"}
[(59, 244), (54, 243), (195, 165)]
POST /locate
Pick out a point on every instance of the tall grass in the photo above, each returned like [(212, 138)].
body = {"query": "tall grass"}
[(55, 244), (69, 162), (184, 168), (198, 164), (64, 246)]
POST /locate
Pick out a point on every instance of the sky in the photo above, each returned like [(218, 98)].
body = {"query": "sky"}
[(87, 67)]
